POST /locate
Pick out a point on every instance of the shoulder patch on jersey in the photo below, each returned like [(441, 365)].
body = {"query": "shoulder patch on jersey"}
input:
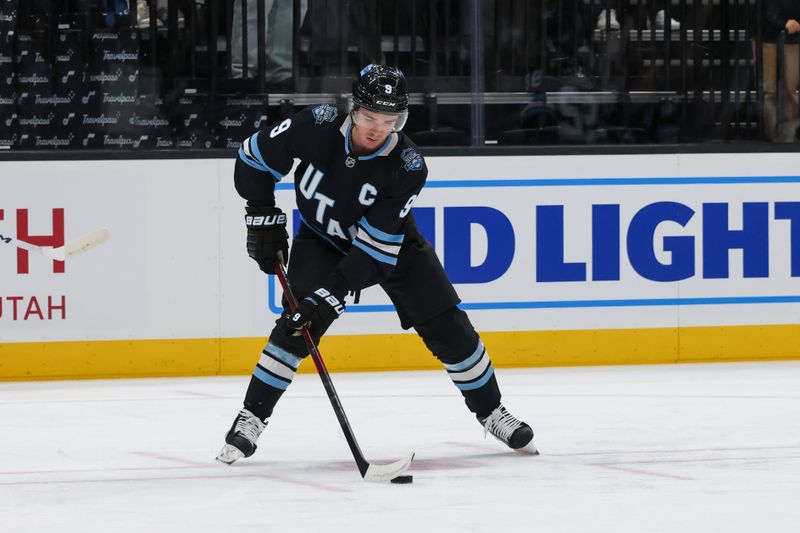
[(325, 113), (412, 158)]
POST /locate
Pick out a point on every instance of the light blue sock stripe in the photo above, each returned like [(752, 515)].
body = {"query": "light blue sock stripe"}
[(468, 362), (282, 355), (378, 234), (270, 380), (477, 384), (383, 258)]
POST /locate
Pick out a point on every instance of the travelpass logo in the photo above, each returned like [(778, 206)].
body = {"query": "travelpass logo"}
[(513, 244)]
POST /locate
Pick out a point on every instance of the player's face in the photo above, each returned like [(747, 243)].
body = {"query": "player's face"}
[(370, 129)]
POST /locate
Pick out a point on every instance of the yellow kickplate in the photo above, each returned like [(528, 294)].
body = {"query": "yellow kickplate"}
[(208, 357)]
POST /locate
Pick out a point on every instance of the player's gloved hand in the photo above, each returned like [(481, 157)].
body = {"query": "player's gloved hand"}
[(266, 236), (319, 309)]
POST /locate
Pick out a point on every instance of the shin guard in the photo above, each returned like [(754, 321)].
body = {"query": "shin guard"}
[(453, 340)]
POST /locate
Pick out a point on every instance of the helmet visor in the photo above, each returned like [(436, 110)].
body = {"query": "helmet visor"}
[(378, 120)]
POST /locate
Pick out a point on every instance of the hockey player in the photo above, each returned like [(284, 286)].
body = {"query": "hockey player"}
[(356, 182)]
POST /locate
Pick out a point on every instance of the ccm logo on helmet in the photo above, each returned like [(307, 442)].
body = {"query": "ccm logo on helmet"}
[(384, 102)]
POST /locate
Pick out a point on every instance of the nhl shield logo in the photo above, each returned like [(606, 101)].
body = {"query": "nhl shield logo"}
[(350, 162)]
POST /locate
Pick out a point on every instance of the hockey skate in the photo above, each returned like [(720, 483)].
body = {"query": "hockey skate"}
[(240, 441), (514, 433)]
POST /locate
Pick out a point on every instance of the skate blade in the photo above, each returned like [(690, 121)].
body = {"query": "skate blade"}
[(528, 449), (229, 454)]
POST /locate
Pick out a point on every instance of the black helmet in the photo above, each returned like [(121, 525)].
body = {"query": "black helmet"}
[(382, 89)]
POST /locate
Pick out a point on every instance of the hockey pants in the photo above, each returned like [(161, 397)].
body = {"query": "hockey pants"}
[(424, 299)]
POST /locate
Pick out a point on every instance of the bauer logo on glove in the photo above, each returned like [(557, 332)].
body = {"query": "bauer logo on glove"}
[(332, 300), (317, 310), (271, 220), (267, 240)]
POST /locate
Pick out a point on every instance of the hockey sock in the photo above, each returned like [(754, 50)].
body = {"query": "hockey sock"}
[(474, 377), (271, 377), (453, 340)]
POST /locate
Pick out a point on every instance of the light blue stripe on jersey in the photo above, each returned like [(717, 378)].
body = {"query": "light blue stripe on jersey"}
[(282, 355), (254, 149), (244, 158), (477, 384), (259, 164), (378, 234), (270, 380), (468, 362), (389, 249), (318, 232), (383, 258)]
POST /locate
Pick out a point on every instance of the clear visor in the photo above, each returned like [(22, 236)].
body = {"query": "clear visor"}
[(384, 122)]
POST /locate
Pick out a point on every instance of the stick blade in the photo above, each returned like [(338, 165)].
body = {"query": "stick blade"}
[(85, 243), (379, 473)]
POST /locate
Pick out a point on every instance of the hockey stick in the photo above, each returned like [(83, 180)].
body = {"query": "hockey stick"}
[(370, 472), (87, 242)]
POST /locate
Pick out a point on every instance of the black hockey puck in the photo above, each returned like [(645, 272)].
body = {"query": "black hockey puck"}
[(403, 479)]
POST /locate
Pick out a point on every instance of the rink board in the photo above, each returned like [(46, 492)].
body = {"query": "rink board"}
[(559, 260)]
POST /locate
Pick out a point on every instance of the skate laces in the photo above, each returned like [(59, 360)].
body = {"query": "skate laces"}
[(501, 424), (248, 425)]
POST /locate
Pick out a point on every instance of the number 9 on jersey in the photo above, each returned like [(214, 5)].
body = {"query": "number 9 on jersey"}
[(280, 128)]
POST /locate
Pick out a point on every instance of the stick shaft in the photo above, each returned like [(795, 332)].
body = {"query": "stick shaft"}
[(325, 376)]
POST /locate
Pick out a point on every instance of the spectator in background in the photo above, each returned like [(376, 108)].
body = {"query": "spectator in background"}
[(278, 28), (779, 16), (344, 36), (27, 15)]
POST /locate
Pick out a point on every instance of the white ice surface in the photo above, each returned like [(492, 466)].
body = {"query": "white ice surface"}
[(668, 448)]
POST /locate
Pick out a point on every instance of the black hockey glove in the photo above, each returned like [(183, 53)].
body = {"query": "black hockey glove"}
[(319, 309), (266, 236)]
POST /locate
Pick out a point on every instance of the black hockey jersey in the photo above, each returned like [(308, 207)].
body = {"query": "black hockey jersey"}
[(360, 205)]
